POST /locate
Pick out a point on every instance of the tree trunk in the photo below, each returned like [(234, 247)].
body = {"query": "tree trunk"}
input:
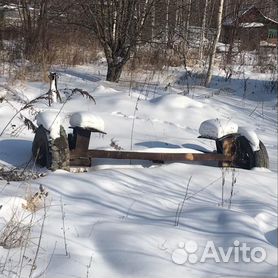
[(114, 71), (167, 31), (153, 15), (215, 41), (234, 31), (203, 30), (187, 22)]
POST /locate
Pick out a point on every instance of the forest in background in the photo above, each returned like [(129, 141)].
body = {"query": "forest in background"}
[(130, 35)]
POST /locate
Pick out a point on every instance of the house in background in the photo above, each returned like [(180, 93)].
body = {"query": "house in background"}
[(9, 22), (251, 28)]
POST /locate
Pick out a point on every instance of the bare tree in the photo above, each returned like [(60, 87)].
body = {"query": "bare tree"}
[(34, 24), (167, 23), (118, 26), (215, 41), (203, 30), (187, 20)]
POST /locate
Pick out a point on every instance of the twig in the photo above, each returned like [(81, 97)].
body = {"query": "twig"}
[(89, 266), (181, 205), (254, 109), (51, 257), (26, 106), (133, 121), (25, 247), (39, 242), (232, 187), (129, 209), (64, 230), (223, 183), (73, 91)]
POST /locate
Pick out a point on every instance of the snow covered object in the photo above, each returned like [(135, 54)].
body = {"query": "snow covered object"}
[(50, 146), (251, 136), (53, 93), (51, 121), (87, 120), (59, 151), (240, 143), (217, 128)]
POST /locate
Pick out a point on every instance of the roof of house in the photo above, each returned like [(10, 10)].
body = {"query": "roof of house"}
[(231, 20)]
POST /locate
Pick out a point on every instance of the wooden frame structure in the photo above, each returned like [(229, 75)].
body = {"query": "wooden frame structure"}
[(233, 150)]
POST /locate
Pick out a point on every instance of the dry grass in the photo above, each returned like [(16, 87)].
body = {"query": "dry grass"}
[(35, 201), (15, 234), (17, 230), (68, 49)]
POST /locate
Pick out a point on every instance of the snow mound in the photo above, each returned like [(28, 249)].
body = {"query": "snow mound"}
[(251, 24), (13, 209), (251, 136), (104, 90), (217, 128), (87, 120), (177, 101), (3, 93), (51, 121)]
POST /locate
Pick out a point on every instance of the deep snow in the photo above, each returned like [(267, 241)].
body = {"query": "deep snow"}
[(118, 220)]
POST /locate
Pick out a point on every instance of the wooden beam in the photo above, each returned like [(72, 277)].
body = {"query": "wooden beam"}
[(153, 156)]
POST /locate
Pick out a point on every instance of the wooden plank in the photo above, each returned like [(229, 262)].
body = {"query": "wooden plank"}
[(153, 156), (81, 138), (81, 161)]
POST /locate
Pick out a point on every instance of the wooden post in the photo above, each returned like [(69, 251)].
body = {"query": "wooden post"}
[(79, 144)]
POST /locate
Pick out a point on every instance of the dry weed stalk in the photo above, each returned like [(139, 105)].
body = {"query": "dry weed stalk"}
[(234, 180), (30, 105), (36, 202), (181, 205), (63, 228), (15, 234), (114, 144)]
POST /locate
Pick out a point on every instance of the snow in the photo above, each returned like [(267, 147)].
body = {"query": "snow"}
[(217, 128), (53, 90), (124, 219), (267, 44), (3, 92), (251, 136), (12, 209), (170, 150), (176, 101), (87, 120), (51, 121), (251, 24), (10, 7), (118, 218), (222, 47)]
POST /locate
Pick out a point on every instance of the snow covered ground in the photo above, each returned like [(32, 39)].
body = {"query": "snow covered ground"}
[(138, 219)]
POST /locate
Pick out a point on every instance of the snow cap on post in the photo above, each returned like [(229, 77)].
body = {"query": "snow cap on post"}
[(217, 128), (51, 121), (87, 120), (251, 136)]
